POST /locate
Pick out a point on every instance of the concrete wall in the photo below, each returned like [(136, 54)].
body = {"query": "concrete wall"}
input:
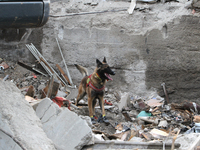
[(157, 43)]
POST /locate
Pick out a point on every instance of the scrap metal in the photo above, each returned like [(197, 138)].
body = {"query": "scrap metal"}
[(43, 62)]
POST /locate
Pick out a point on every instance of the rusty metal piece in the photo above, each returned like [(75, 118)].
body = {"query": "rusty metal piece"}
[(127, 117), (166, 95), (63, 73), (50, 86), (51, 89), (31, 91), (30, 68)]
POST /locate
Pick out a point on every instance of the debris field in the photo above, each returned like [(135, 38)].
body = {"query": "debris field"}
[(153, 120)]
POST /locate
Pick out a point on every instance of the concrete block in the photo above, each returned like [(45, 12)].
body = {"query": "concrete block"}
[(125, 100), (20, 128), (65, 128), (8, 143), (47, 109)]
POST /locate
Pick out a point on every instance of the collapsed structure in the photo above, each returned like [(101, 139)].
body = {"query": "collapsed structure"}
[(38, 112), (135, 122)]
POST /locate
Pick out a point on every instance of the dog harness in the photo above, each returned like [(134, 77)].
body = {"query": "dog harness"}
[(89, 83)]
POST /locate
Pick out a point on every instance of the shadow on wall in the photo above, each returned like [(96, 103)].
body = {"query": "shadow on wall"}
[(174, 59), (12, 43), (12, 35)]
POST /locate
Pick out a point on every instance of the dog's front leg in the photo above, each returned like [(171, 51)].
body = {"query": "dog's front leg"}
[(91, 110), (90, 107), (101, 102)]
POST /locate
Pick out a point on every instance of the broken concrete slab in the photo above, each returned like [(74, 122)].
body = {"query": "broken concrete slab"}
[(125, 100), (65, 128), (20, 128), (45, 109), (187, 141)]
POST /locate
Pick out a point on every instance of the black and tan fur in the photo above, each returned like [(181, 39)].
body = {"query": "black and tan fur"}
[(98, 79)]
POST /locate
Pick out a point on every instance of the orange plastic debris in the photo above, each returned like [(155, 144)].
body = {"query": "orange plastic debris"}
[(60, 101), (108, 103)]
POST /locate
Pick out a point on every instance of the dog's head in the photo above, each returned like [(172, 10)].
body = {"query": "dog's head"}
[(103, 70)]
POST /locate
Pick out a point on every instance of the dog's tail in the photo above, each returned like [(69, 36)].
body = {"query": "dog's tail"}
[(82, 70)]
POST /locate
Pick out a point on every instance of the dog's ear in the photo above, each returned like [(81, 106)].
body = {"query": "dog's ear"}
[(104, 60), (99, 64)]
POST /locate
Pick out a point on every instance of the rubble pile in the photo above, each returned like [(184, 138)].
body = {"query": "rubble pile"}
[(143, 122)]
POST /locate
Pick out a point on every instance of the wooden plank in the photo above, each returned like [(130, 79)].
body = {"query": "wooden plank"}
[(51, 89)]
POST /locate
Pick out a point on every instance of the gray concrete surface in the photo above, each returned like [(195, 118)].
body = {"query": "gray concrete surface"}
[(20, 128), (65, 128), (158, 43)]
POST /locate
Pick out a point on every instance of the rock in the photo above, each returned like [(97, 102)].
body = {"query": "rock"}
[(65, 128), (20, 128), (196, 3)]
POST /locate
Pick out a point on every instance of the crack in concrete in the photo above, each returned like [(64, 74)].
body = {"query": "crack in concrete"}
[(17, 142), (49, 119), (46, 111)]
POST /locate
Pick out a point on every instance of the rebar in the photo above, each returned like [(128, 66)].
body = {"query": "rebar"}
[(64, 63), (38, 59), (40, 56)]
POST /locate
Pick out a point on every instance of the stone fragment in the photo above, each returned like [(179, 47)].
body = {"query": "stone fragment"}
[(125, 99), (73, 94), (163, 123), (65, 128)]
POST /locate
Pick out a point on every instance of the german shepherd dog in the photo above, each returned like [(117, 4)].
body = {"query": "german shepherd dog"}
[(94, 86)]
